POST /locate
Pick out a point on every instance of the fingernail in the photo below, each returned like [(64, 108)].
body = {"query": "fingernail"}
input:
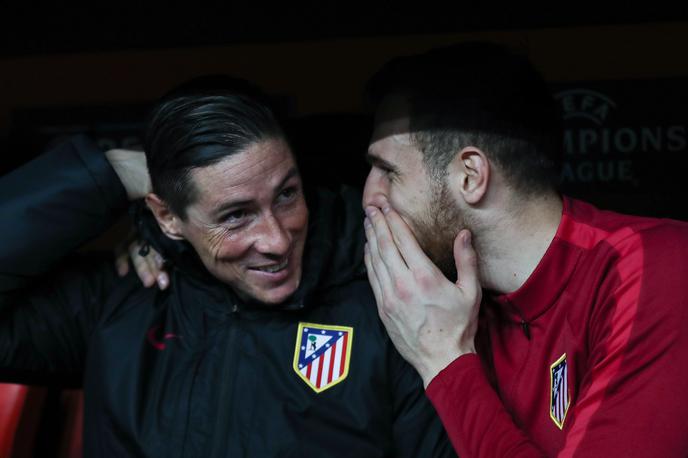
[(162, 281), (385, 209), (366, 223), (467, 239), (371, 211)]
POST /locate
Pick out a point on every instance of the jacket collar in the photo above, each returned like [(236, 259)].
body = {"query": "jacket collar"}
[(549, 279)]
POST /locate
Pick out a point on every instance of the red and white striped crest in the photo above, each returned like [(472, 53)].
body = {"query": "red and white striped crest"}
[(322, 354), (559, 399)]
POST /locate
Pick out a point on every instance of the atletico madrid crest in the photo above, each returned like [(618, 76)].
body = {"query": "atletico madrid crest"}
[(322, 354), (559, 399)]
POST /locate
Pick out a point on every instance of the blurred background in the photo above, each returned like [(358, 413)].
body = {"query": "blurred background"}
[(620, 74)]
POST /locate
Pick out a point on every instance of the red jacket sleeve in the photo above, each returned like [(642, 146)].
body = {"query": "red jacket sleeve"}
[(473, 415)]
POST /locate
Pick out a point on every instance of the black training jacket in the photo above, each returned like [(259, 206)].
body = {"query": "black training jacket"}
[(193, 371)]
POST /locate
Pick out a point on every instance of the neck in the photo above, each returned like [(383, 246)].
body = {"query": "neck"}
[(512, 242)]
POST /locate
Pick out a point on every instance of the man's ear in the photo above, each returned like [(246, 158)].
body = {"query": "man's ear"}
[(470, 174), (169, 222)]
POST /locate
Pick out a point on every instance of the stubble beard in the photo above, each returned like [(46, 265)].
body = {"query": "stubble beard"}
[(437, 229)]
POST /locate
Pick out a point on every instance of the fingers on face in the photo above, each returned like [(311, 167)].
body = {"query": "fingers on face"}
[(384, 287), (372, 276), (406, 241), (386, 244), (381, 254), (393, 276)]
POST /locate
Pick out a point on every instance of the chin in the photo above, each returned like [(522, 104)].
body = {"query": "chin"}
[(275, 296)]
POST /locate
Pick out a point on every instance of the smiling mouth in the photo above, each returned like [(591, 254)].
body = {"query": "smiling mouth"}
[(273, 268)]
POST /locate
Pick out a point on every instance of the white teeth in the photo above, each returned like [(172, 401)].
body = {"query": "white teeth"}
[(275, 268)]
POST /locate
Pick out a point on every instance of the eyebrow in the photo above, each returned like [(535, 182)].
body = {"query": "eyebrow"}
[(232, 204), (377, 161)]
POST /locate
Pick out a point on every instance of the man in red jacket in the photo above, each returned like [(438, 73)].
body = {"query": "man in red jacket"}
[(561, 329)]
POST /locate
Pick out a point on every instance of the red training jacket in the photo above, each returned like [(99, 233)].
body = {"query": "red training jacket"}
[(589, 357)]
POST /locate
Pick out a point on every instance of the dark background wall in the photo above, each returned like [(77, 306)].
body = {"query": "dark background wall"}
[(620, 74)]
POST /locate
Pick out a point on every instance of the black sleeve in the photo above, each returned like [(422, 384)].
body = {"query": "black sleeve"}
[(50, 207), (418, 431)]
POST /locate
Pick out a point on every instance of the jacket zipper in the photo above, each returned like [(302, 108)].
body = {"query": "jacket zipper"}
[(197, 366), (525, 326), (220, 438)]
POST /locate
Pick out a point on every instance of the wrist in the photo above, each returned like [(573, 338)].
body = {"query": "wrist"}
[(437, 365), (130, 167)]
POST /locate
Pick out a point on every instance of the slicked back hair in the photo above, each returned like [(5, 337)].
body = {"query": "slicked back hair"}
[(186, 131)]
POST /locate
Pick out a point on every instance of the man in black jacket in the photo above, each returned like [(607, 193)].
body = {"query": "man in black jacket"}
[(266, 343)]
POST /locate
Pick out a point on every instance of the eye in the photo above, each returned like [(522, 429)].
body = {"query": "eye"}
[(288, 193), (235, 217), (387, 172)]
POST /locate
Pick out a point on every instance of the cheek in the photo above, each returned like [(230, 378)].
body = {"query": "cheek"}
[(403, 202), (412, 223), (410, 210), (413, 198), (225, 246), (296, 220)]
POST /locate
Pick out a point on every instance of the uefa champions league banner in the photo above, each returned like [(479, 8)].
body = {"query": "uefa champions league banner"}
[(625, 143)]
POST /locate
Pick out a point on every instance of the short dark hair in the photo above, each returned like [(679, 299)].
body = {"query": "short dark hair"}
[(191, 129), (480, 94)]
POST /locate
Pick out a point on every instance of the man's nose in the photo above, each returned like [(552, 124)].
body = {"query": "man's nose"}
[(273, 237), (375, 191)]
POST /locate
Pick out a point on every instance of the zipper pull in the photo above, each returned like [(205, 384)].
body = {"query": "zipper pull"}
[(526, 328)]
